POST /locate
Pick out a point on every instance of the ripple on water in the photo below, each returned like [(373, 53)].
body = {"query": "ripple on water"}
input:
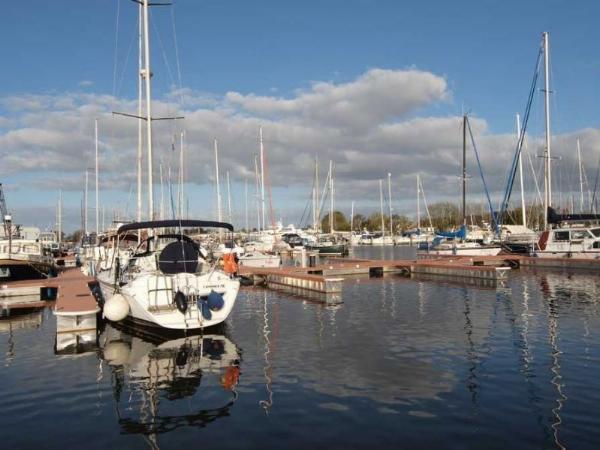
[(402, 362)]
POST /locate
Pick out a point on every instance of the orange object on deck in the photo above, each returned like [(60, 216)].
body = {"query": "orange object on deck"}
[(229, 263)]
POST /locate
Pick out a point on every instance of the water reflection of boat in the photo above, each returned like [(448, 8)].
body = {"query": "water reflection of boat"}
[(26, 321), (152, 372)]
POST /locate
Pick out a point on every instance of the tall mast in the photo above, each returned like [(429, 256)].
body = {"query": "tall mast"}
[(59, 216), (96, 169), (523, 210), (219, 216), (181, 175), (381, 207), (140, 120), (418, 202), (229, 198), (147, 74), (315, 194), (464, 172), (580, 177), (257, 189), (246, 198), (162, 193), (331, 194), (547, 153), (262, 177), (352, 217), (318, 193), (390, 205), (85, 205)]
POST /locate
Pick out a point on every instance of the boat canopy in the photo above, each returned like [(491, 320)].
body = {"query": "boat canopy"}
[(174, 224), (555, 218), (461, 233)]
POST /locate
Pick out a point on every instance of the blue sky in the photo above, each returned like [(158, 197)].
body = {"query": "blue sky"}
[(484, 50)]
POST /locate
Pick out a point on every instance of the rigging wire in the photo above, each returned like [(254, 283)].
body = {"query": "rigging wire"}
[(116, 48), (513, 170), (119, 82), (177, 60), (487, 193)]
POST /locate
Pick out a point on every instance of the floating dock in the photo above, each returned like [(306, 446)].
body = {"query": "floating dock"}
[(75, 307), (328, 278)]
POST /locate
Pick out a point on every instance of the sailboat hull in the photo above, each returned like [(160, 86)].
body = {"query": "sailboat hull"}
[(151, 299)]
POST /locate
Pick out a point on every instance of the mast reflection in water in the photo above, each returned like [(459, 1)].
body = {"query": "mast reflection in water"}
[(401, 363)]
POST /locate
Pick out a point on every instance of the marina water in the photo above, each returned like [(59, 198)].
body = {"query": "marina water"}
[(401, 363)]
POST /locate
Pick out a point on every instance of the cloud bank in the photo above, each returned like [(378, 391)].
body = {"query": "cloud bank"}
[(379, 122)]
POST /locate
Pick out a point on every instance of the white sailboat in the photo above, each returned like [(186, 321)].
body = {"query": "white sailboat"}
[(165, 281)]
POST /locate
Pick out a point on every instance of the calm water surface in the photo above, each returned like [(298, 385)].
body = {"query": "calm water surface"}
[(402, 363)]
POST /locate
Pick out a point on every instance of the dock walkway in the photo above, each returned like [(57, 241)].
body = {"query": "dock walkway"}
[(326, 278), (75, 307)]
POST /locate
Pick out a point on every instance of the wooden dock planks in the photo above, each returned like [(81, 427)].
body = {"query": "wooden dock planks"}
[(74, 294)]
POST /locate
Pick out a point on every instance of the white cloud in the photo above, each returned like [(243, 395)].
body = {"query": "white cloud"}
[(376, 96), (369, 126)]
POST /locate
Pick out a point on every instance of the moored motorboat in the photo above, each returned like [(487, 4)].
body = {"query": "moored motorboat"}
[(24, 259), (259, 259)]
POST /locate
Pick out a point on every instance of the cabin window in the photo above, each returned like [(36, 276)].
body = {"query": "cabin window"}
[(561, 235), (579, 234), (30, 248), (596, 244), (595, 232)]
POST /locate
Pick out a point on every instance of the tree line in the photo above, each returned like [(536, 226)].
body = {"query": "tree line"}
[(444, 216)]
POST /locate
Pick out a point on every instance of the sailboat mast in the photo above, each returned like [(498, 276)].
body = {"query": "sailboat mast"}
[(381, 206), (352, 217), (140, 120), (262, 177), (580, 177), (96, 170), (59, 216), (219, 216), (418, 202), (318, 193), (523, 210), (181, 175), (464, 172), (547, 153), (246, 203), (85, 206), (331, 195), (230, 217), (257, 189), (315, 195), (147, 76), (390, 205), (162, 193)]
